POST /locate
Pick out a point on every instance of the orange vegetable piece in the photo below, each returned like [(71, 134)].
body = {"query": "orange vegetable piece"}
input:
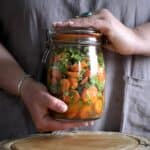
[(74, 95), (98, 106), (73, 74), (56, 73), (84, 64), (66, 99), (87, 73), (54, 81), (89, 93), (58, 57), (101, 74), (84, 81), (74, 67), (73, 83), (73, 111), (64, 85), (85, 112)]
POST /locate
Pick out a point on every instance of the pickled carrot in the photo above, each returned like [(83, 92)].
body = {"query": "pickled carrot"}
[(55, 73), (84, 81), (89, 93), (75, 96), (98, 106), (64, 85), (58, 57), (84, 64), (85, 112), (72, 74), (73, 83), (66, 99), (101, 74), (87, 73), (73, 111), (54, 81), (74, 67)]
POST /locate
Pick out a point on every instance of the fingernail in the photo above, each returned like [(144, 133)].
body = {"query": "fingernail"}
[(91, 123), (63, 108), (70, 22), (56, 23), (86, 124)]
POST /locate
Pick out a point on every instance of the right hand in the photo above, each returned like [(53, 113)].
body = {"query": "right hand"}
[(39, 103)]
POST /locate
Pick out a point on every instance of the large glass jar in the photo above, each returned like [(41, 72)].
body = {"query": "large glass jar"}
[(76, 72)]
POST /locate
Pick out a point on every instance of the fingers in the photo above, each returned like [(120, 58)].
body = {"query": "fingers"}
[(100, 22), (54, 103), (49, 124)]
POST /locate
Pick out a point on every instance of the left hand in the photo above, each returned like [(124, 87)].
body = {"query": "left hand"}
[(123, 39)]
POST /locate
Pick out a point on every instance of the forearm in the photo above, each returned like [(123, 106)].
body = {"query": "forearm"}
[(143, 44), (10, 72)]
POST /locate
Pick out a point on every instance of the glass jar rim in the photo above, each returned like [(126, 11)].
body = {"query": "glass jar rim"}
[(77, 35)]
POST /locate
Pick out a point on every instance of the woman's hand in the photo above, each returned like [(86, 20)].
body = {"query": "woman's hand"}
[(39, 103), (122, 39)]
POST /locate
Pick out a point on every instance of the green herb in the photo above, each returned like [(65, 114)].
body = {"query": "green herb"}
[(94, 81), (100, 59)]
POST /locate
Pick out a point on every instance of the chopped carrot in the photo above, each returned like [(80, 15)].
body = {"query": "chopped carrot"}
[(66, 99), (56, 73), (73, 83), (74, 67), (101, 74), (74, 95), (84, 64), (73, 111), (58, 57), (85, 112), (89, 93), (54, 81), (87, 73), (84, 81), (64, 85), (73, 74), (98, 106)]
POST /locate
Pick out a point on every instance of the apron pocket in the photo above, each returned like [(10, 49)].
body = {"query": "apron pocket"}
[(136, 114)]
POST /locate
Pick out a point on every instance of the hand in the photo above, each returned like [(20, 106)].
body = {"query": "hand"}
[(122, 39), (39, 102)]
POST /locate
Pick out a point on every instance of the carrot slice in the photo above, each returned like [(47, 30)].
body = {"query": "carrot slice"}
[(74, 95), (73, 74), (89, 93), (73, 83), (74, 67), (84, 64), (101, 74), (84, 81), (54, 81), (73, 111), (58, 57), (56, 73), (64, 85), (85, 112), (87, 73), (98, 106), (66, 99)]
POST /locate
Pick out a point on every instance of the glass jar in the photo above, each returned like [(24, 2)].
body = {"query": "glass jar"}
[(76, 72)]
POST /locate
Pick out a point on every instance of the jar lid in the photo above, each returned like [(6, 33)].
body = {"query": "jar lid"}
[(76, 35)]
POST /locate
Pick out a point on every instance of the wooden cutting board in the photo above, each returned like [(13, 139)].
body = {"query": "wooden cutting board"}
[(79, 141)]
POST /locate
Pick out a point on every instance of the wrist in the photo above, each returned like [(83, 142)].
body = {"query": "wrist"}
[(25, 79)]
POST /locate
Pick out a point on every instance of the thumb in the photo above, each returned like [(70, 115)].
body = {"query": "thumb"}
[(56, 104)]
